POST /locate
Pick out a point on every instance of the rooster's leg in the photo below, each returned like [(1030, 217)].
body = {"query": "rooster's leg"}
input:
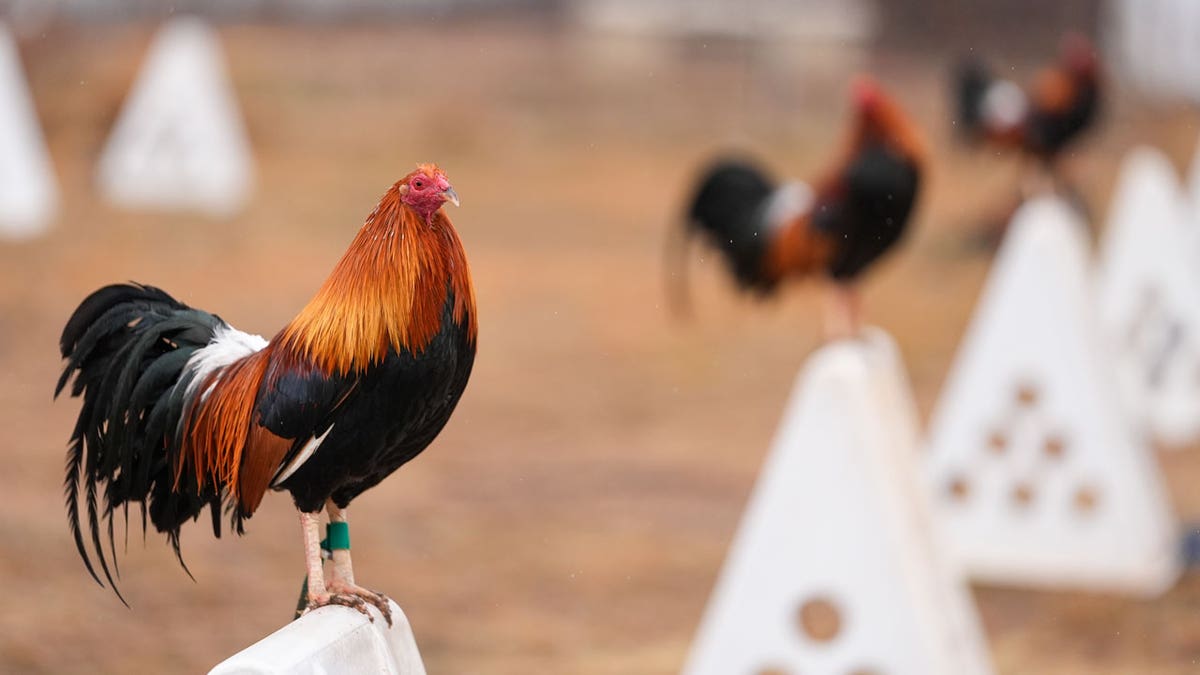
[(343, 571), (842, 312), (318, 595), (1039, 178)]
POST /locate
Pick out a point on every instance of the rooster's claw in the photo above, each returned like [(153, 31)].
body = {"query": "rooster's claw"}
[(356, 597)]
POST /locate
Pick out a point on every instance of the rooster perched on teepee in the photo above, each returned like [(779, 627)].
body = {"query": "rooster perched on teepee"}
[(182, 412), (1041, 123), (854, 213)]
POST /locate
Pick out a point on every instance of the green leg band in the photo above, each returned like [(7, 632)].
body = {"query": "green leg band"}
[(338, 536)]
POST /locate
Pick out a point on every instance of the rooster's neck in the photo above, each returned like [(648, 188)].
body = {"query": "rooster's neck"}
[(387, 292)]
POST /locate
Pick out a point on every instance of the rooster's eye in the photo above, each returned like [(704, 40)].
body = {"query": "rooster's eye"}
[(418, 184)]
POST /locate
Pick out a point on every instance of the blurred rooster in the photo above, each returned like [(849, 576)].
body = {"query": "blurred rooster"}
[(853, 215), (183, 412), (1061, 104)]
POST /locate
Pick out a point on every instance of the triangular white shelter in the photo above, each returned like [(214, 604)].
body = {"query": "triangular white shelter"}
[(28, 190), (1156, 44), (179, 143), (832, 569), (1036, 477), (1194, 186), (1149, 297)]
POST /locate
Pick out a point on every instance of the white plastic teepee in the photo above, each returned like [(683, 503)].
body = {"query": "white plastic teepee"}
[(1156, 44), (179, 143), (1149, 298), (1035, 475), (1194, 187), (28, 190), (833, 569)]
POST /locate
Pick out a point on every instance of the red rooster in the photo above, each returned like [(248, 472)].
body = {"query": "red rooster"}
[(853, 215), (183, 412)]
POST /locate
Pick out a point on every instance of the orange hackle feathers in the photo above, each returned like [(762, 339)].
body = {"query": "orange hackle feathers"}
[(887, 121), (879, 118), (1054, 90), (387, 291)]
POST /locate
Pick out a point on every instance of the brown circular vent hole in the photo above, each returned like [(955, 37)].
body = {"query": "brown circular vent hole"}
[(819, 619), (1027, 394), (772, 671), (997, 442), (958, 488), (1054, 446), (1022, 495), (1086, 500), (864, 671)]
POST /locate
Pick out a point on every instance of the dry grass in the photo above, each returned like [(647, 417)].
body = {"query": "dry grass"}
[(574, 514)]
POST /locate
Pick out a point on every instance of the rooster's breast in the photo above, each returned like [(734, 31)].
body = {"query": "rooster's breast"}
[(395, 411)]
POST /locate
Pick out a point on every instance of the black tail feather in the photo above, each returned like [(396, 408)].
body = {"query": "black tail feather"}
[(94, 525), (727, 210), (103, 300), (971, 83), (126, 347), (71, 485), (112, 540)]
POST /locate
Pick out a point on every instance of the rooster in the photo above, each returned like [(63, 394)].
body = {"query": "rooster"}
[(855, 213), (1041, 123), (181, 412)]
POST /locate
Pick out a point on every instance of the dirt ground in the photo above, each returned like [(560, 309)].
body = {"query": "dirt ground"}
[(574, 514)]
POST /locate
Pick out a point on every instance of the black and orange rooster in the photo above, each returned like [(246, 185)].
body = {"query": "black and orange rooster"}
[(183, 412), (851, 216), (1041, 123)]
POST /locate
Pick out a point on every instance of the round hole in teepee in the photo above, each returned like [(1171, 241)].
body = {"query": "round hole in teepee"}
[(1027, 394), (1086, 500), (819, 619), (958, 489), (1054, 446), (1022, 495), (772, 670), (997, 442)]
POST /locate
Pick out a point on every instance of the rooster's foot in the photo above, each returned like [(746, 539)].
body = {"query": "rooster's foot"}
[(353, 595)]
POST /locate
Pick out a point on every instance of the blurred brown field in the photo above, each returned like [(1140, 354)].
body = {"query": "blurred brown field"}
[(573, 516)]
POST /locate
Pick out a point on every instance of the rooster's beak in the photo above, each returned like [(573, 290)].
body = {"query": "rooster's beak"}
[(450, 195)]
